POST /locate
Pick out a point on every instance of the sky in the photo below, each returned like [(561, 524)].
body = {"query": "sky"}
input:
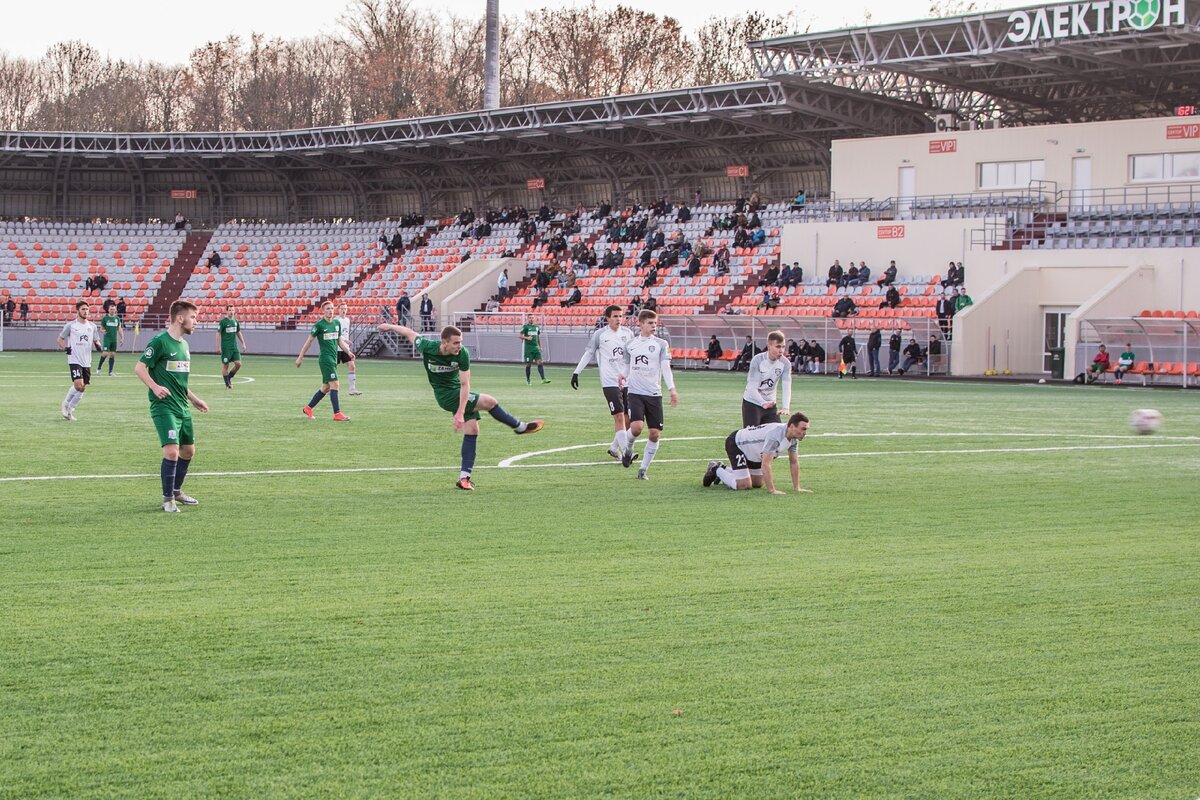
[(152, 31)]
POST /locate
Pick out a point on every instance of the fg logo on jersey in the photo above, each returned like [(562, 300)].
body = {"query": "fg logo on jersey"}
[(641, 360), (767, 383)]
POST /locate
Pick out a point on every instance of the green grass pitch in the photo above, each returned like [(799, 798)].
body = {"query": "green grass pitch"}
[(993, 592)]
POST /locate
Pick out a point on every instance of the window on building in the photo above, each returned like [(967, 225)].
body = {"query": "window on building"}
[(1165, 167), (1010, 174)]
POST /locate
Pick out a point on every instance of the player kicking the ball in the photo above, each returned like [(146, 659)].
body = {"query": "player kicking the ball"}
[(648, 362), (327, 331), (608, 345), (448, 367), (751, 451)]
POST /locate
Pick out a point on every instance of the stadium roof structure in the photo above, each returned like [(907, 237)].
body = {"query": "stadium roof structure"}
[(1094, 60), (649, 145), (1068, 62)]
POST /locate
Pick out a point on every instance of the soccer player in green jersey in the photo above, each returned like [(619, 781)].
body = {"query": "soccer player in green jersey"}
[(164, 368), (448, 366), (531, 334), (231, 342), (1125, 363), (328, 332), (114, 337)]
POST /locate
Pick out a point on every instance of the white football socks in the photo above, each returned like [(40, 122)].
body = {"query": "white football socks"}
[(648, 455), (725, 475)]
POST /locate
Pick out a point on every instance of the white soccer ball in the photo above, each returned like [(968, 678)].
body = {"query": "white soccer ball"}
[(1145, 420), (1041, 380)]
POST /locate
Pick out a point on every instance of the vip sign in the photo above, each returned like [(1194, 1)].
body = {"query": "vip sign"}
[(937, 146), (889, 232), (1191, 131), (1085, 19)]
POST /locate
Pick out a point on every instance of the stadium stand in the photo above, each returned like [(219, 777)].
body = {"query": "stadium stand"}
[(674, 294), (48, 264), (415, 269), (1121, 226), (272, 272)]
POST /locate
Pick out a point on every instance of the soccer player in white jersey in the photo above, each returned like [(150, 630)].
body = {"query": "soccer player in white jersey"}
[(343, 316), (751, 451), (608, 345), (648, 366), (78, 337), (768, 370)]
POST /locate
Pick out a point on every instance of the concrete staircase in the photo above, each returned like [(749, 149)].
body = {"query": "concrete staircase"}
[(180, 272)]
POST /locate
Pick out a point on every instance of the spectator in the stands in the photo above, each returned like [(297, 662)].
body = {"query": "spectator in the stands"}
[(721, 260), (888, 277), (101, 282), (754, 221), (396, 244), (785, 275), (383, 239), (180, 221), (934, 348), (816, 357), (769, 300), (945, 311), (466, 216), (891, 299), (651, 277), (864, 274), (962, 300), (650, 303), (962, 274), (541, 298), (834, 277), (214, 260), (759, 237), (404, 309), (799, 200), (1125, 362), (692, 268), (502, 285), (24, 311), (541, 278), (797, 276), (912, 356), (590, 258), (742, 362), (771, 277), (741, 238), (89, 285), (874, 345), (696, 198), (713, 352), (121, 309), (845, 307), (894, 345), (573, 299), (10, 308), (951, 276), (793, 354), (1100, 365), (426, 310), (850, 278), (683, 215)]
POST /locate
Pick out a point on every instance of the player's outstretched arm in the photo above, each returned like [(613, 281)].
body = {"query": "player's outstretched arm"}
[(307, 344), (407, 333), (794, 463)]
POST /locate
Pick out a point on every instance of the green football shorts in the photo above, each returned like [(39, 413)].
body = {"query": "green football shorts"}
[(172, 427), (449, 402)]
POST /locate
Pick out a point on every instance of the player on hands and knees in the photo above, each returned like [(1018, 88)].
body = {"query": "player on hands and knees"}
[(343, 318), (448, 367), (751, 451), (77, 338), (114, 338), (232, 343), (608, 345), (768, 370), (328, 332), (648, 365), (531, 335), (164, 368)]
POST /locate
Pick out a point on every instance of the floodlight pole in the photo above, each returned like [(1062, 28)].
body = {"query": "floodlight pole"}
[(491, 57)]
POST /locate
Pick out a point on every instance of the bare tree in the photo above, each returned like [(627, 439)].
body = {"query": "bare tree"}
[(721, 55), (19, 91)]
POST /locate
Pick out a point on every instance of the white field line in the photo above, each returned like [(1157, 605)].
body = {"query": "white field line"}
[(352, 470), (511, 461)]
